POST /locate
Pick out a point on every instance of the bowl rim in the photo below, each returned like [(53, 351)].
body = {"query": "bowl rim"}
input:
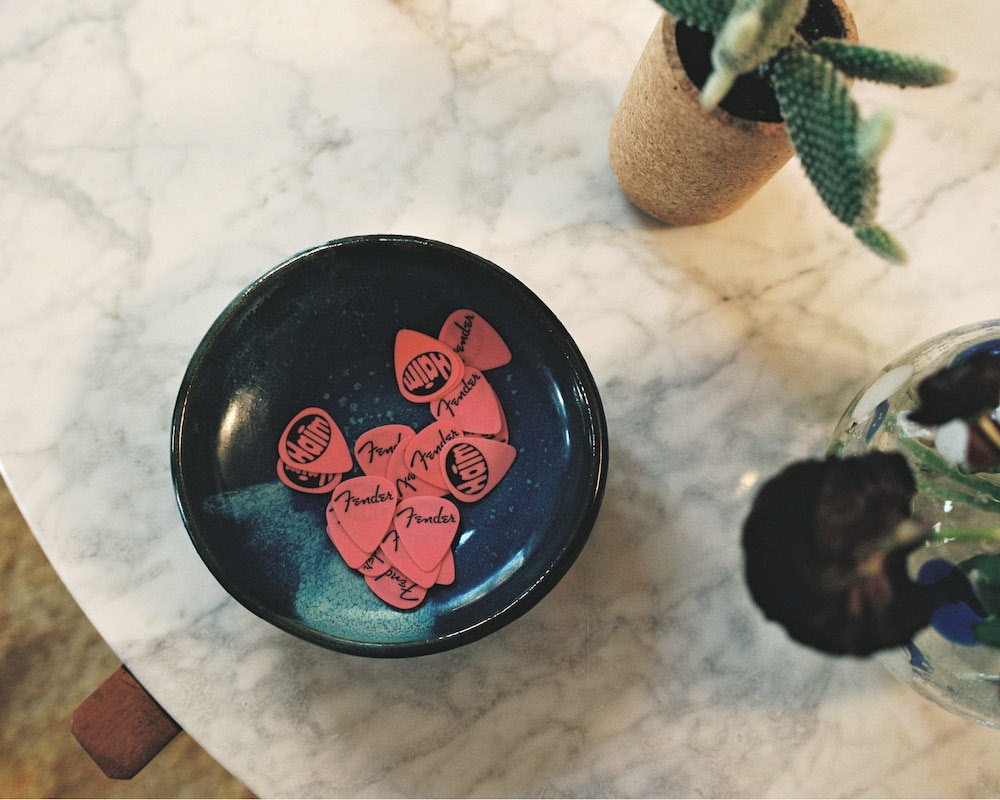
[(592, 490)]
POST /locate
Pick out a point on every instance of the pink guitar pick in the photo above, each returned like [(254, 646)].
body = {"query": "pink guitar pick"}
[(502, 435), (472, 405), (377, 564), (422, 452), (309, 482), (475, 340), (353, 555), (425, 368), (472, 466), (398, 556), (374, 448), (396, 589), (446, 575), (394, 525), (364, 507), (313, 442), (406, 481), (426, 528)]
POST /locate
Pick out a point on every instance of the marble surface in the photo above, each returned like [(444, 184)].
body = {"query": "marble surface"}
[(156, 157)]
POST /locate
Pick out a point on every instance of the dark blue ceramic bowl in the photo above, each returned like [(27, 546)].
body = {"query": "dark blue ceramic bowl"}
[(318, 330)]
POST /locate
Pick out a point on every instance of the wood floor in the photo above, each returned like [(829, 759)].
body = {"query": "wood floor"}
[(51, 658)]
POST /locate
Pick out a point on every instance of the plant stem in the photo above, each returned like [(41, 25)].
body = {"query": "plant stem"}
[(963, 534)]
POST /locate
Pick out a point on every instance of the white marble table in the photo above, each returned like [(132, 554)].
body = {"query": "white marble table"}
[(158, 156)]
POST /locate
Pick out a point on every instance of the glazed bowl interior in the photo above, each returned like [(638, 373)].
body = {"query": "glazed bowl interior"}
[(318, 330)]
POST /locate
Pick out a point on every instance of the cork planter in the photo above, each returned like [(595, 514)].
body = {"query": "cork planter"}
[(682, 164)]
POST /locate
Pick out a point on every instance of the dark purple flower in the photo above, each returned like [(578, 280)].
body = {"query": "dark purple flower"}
[(825, 548), (963, 390), (965, 393)]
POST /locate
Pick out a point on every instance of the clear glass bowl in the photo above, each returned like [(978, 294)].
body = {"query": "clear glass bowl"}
[(941, 663)]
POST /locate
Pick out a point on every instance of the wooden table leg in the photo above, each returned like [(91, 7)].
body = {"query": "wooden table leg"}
[(121, 726)]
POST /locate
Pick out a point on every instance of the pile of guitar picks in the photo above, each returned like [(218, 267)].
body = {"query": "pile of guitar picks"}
[(396, 523)]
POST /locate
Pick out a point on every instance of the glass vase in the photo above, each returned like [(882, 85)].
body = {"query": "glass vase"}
[(944, 662)]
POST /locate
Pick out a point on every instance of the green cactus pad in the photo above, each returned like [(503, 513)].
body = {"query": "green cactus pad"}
[(755, 32), (872, 64), (822, 122), (882, 243), (706, 15)]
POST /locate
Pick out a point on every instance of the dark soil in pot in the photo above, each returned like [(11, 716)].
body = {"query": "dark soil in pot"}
[(752, 96)]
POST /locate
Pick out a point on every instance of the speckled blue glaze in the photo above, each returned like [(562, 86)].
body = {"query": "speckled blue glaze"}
[(319, 330)]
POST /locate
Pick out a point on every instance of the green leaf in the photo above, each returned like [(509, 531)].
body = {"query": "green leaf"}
[(983, 574), (958, 486), (988, 632), (882, 243), (707, 15), (884, 66), (822, 121)]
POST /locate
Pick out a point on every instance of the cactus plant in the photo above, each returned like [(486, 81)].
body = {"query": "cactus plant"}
[(839, 149)]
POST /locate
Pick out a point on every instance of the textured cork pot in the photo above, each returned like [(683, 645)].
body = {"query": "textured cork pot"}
[(684, 165)]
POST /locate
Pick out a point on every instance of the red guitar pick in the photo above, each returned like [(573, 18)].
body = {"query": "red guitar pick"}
[(502, 435), (377, 564), (374, 448), (472, 405), (472, 466), (475, 340), (422, 452), (313, 442), (396, 589), (394, 524), (309, 482), (364, 506), (446, 575), (406, 481), (353, 555), (426, 528), (398, 556), (425, 368)]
